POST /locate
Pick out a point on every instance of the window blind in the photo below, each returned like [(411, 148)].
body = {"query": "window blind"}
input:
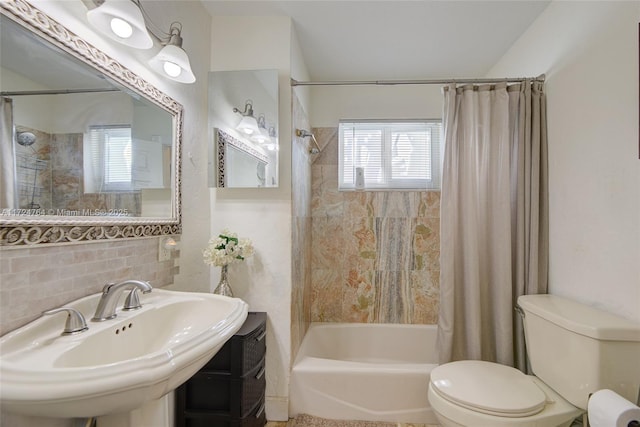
[(111, 156), (393, 154)]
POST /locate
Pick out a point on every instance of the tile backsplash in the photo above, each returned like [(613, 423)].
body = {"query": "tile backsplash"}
[(375, 254), (39, 278)]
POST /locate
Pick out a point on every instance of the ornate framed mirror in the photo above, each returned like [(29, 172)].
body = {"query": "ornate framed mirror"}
[(89, 149)]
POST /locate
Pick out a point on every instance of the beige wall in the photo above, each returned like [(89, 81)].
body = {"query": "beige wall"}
[(589, 52)]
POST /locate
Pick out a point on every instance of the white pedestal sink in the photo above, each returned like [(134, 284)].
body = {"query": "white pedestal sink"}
[(117, 365)]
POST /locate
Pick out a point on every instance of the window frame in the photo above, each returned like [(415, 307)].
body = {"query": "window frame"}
[(388, 126), (99, 159)]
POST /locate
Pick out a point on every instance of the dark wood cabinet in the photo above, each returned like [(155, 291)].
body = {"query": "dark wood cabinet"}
[(229, 390)]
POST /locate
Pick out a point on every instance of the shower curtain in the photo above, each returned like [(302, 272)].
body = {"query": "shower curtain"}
[(494, 218), (7, 155)]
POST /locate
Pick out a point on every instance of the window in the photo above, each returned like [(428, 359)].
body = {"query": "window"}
[(110, 156), (392, 154)]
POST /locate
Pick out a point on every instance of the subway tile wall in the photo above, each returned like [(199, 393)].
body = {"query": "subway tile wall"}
[(375, 254), (36, 279)]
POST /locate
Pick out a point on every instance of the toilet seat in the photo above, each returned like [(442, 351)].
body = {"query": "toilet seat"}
[(488, 388)]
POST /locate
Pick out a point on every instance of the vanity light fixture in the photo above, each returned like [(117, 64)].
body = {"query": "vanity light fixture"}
[(124, 21), (273, 143), (262, 136), (248, 125), (172, 61)]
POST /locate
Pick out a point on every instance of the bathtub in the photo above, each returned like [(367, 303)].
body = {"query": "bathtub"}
[(372, 372)]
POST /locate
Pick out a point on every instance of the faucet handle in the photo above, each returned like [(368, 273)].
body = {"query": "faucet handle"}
[(75, 320), (132, 302)]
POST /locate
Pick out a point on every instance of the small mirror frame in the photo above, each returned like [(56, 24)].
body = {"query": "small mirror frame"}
[(23, 231), (223, 141)]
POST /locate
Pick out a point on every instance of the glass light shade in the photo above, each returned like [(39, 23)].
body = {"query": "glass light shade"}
[(173, 62), (261, 136), (248, 125), (122, 28), (121, 21)]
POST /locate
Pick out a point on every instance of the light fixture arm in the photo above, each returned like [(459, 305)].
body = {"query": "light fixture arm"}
[(248, 109), (175, 28), (175, 34), (173, 37)]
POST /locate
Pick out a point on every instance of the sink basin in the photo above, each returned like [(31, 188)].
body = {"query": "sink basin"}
[(119, 364)]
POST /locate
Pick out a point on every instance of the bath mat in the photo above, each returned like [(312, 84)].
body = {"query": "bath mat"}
[(304, 420)]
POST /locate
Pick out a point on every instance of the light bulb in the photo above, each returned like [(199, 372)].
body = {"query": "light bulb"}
[(121, 28), (171, 69)]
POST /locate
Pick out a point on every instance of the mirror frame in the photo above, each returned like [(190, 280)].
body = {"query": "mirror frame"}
[(25, 230), (223, 142)]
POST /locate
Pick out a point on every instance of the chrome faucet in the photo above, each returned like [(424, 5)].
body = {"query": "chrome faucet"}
[(110, 294)]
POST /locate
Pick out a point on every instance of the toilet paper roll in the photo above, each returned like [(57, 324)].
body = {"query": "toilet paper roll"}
[(608, 409)]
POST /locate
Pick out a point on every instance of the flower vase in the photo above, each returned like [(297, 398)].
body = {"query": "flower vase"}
[(223, 287)]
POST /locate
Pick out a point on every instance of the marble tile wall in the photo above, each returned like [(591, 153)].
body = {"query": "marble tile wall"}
[(301, 230), (375, 254)]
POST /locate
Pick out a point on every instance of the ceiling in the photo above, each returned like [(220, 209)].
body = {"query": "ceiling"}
[(396, 40)]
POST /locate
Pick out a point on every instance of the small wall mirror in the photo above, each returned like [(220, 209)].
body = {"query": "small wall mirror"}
[(89, 149), (243, 118)]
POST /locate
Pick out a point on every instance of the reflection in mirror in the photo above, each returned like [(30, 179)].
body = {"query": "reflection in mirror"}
[(249, 166), (83, 141), (243, 113)]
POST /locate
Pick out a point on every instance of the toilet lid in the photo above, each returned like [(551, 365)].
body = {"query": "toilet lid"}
[(489, 388)]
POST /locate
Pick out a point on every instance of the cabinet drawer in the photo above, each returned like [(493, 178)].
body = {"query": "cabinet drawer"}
[(257, 418), (244, 350), (212, 391)]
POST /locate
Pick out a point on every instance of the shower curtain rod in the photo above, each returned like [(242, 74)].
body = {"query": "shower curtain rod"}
[(56, 92), (415, 82)]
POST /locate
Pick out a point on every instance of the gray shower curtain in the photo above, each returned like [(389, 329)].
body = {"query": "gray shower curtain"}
[(494, 218), (7, 155)]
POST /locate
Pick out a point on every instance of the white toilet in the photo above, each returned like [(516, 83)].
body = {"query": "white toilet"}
[(574, 350)]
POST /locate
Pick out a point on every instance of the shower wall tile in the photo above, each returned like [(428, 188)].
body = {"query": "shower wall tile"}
[(358, 297), (326, 292), (326, 200), (393, 297), (359, 203), (301, 293), (395, 204), (375, 254), (327, 250), (359, 243), (394, 244), (429, 204), (328, 141), (425, 296)]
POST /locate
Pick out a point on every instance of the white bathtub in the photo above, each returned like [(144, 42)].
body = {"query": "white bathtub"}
[(372, 372)]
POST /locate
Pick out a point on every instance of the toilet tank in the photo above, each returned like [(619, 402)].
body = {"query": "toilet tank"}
[(577, 349)]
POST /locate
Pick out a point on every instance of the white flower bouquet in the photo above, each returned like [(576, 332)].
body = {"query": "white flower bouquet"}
[(227, 249)]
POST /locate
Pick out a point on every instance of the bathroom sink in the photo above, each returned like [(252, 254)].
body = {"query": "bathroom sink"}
[(116, 365)]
